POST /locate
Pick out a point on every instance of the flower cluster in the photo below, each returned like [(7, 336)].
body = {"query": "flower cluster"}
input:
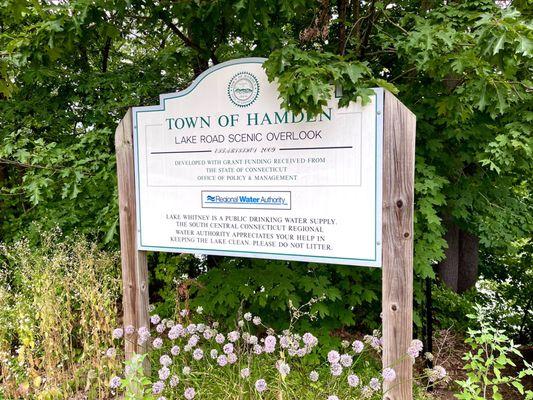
[(185, 353)]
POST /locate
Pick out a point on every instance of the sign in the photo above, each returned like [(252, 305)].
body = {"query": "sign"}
[(222, 169)]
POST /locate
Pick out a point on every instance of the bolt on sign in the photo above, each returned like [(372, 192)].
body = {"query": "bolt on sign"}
[(222, 169)]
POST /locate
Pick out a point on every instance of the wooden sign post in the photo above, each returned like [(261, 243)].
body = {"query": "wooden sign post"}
[(399, 128), (361, 201), (134, 265)]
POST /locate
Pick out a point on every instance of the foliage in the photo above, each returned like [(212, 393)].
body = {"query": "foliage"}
[(136, 385), (192, 357), (451, 309), (507, 292), (265, 287), (57, 309), (504, 292), (73, 73), (491, 354), (68, 70), (305, 78)]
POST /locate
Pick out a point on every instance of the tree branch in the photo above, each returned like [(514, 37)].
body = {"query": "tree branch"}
[(188, 42), (105, 54), (24, 165), (342, 6), (368, 30)]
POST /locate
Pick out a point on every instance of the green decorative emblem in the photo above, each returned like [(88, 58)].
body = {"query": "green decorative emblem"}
[(243, 89)]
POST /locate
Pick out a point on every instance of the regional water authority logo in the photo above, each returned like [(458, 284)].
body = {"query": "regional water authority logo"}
[(243, 89)]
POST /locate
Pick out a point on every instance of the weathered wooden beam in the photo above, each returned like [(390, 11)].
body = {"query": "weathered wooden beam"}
[(399, 127), (134, 265)]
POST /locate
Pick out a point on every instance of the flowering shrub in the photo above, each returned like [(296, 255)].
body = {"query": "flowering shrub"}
[(192, 358)]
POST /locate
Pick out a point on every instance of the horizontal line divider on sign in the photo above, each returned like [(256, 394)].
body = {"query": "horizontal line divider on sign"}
[(184, 151), (316, 148)]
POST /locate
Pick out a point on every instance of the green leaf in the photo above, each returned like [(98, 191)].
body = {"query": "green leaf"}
[(499, 44)]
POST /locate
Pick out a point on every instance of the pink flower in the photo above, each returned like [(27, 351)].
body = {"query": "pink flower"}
[(336, 369), (441, 372), (353, 380), (228, 348), (270, 344), (222, 360), (115, 382), (174, 380), (346, 360), (413, 352), (334, 357), (260, 385), (165, 360), (157, 343), (358, 346), (163, 373), (309, 340), (233, 336), (118, 333), (193, 340), (388, 374), (417, 344), (232, 358), (283, 368), (198, 354), (175, 332), (189, 393), (158, 387), (144, 334)]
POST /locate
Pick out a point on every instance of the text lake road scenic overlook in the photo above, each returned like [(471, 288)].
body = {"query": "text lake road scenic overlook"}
[(250, 137)]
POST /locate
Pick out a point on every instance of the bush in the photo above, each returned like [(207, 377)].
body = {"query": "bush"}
[(451, 309), (58, 304), (265, 287)]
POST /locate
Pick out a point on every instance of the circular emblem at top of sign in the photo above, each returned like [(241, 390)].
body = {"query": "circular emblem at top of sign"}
[(243, 89)]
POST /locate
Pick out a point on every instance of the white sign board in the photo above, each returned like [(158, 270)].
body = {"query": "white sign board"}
[(222, 169)]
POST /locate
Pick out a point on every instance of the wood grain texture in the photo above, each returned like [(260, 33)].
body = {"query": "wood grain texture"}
[(134, 265), (399, 127)]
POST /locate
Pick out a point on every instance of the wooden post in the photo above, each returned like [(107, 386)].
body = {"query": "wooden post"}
[(399, 127), (134, 266)]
